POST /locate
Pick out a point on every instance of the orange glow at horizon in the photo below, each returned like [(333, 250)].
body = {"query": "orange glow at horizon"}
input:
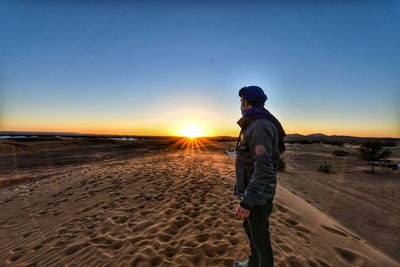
[(196, 126), (233, 131)]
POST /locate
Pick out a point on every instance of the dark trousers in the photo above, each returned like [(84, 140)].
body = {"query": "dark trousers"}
[(256, 227)]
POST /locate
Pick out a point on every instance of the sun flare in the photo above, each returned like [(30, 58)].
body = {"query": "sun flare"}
[(192, 131)]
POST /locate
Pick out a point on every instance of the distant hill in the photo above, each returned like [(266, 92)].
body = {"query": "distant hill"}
[(334, 138), (317, 135), (27, 133), (62, 134)]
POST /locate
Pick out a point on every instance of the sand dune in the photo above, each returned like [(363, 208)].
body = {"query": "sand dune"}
[(362, 201), (168, 209), (322, 233)]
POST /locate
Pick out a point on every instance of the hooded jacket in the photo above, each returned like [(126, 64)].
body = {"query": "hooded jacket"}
[(257, 159)]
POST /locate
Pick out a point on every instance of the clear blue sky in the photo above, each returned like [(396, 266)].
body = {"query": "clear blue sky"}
[(154, 67)]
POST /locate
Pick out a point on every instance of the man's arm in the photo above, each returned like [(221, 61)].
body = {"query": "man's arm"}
[(260, 143)]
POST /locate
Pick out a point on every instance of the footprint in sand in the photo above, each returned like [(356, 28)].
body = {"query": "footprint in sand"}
[(56, 213), (119, 219), (281, 207), (170, 252), (164, 237), (312, 263), (202, 238), (234, 240), (145, 212), (43, 212), (291, 222), (27, 234), (60, 244), (116, 245), (286, 249), (352, 257), (15, 257), (294, 261), (75, 248), (37, 247), (323, 263), (304, 237), (17, 249), (300, 228)]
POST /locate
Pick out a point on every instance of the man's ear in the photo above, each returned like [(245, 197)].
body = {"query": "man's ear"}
[(247, 103)]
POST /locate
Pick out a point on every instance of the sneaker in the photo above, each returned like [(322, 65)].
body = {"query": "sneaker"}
[(240, 264)]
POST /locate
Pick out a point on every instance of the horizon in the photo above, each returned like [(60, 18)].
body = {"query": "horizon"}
[(172, 68), (28, 133)]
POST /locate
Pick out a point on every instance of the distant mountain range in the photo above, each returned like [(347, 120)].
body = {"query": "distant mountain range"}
[(344, 138), (71, 134), (289, 137), (36, 133)]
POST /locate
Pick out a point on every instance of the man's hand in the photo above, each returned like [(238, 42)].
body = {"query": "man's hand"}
[(242, 212)]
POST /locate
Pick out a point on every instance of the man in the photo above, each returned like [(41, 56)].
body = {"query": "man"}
[(257, 157)]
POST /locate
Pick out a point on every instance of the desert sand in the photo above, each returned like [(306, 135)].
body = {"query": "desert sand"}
[(156, 204), (367, 203)]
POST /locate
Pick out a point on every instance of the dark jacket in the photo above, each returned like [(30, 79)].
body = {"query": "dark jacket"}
[(257, 159)]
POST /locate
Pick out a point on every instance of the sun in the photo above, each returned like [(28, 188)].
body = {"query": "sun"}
[(192, 131)]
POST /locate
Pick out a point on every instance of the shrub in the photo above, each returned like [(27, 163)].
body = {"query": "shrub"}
[(333, 142), (337, 143), (325, 167), (389, 143)]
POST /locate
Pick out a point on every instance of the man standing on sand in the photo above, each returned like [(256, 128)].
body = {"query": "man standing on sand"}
[(257, 157)]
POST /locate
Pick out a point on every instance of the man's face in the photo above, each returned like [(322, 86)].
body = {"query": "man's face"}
[(242, 104)]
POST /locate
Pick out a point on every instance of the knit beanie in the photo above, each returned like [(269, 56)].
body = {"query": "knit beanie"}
[(254, 94)]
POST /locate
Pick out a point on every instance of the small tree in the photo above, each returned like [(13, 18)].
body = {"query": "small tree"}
[(370, 151)]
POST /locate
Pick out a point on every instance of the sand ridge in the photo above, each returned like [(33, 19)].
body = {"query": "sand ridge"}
[(167, 209)]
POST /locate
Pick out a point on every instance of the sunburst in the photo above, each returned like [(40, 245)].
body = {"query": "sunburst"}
[(192, 131)]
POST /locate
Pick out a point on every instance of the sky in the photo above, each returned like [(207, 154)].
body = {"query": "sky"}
[(159, 67)]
